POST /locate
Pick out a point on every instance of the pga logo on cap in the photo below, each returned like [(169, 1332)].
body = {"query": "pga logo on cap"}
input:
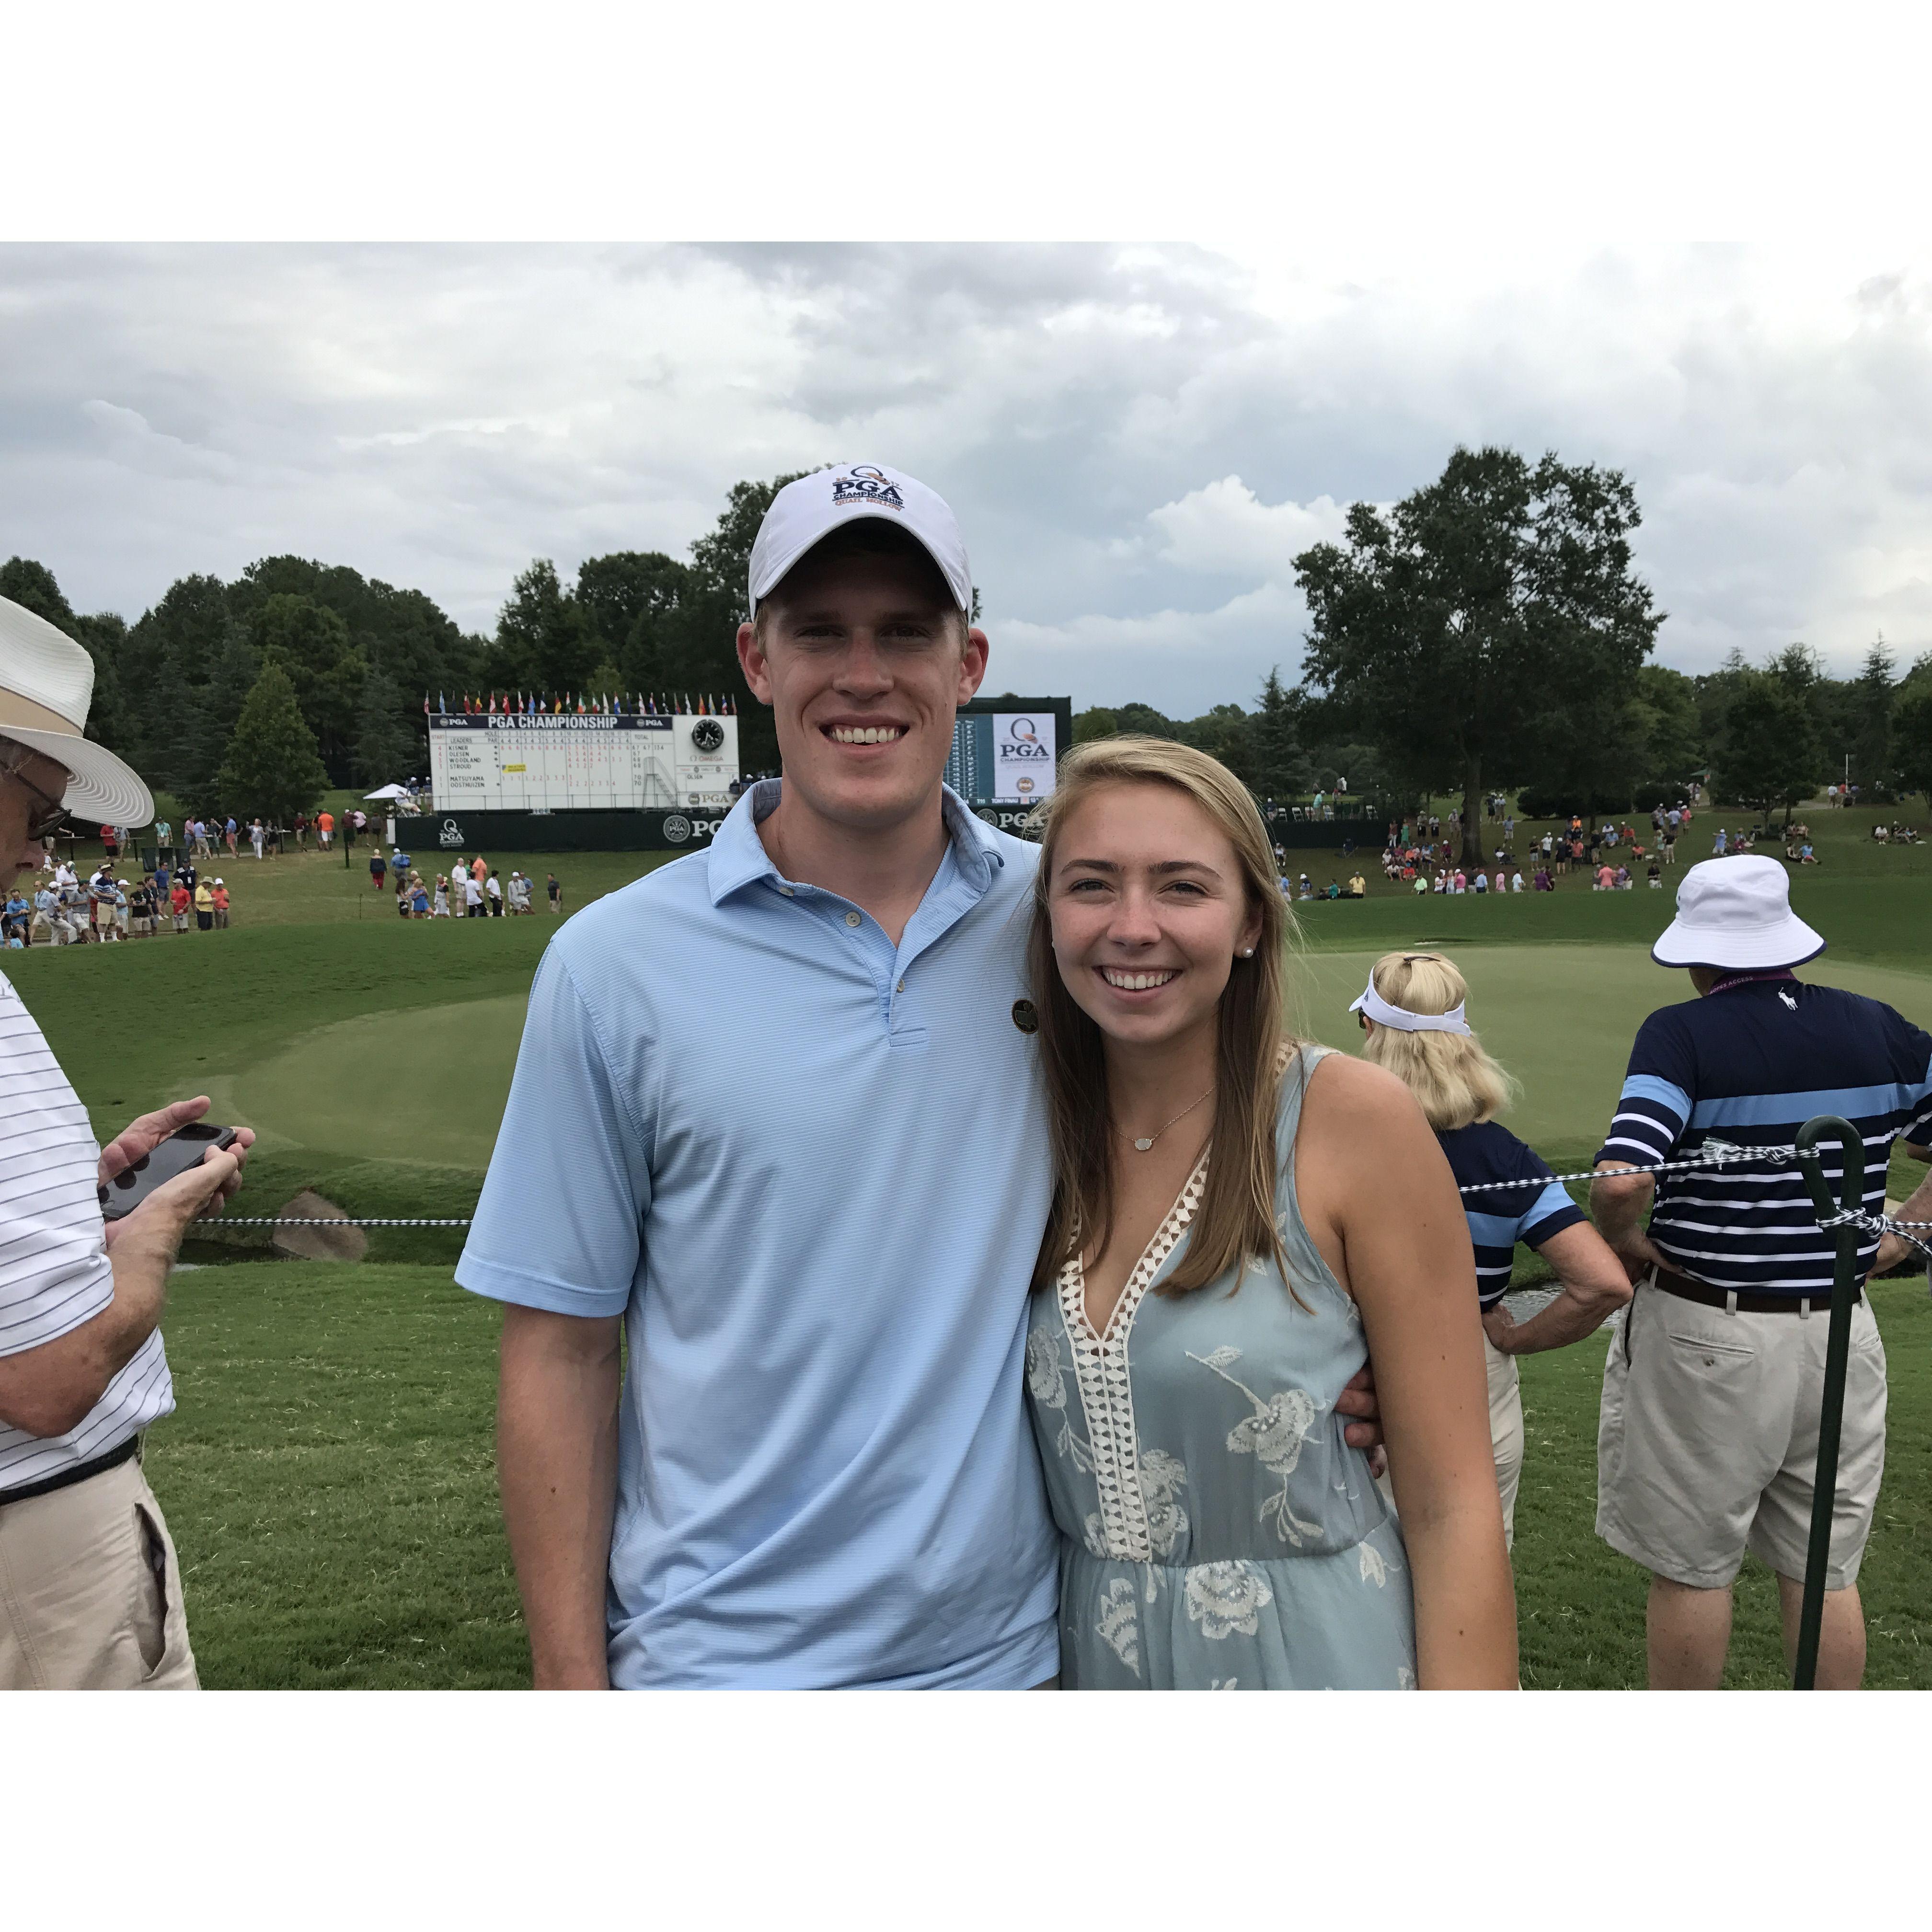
[(864, 484)]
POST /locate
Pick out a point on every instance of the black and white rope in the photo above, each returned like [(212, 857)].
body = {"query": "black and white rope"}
[(1713, 1154), (326, 1221)]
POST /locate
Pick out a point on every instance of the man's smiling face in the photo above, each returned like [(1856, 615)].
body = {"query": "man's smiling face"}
[(865, 659)]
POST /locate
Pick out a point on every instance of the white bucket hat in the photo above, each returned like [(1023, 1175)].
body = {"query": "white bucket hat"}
[(806, 511), (47, 683), (1736, 913)]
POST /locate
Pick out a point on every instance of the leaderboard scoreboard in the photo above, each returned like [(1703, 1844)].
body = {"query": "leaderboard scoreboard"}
[(517, 761)]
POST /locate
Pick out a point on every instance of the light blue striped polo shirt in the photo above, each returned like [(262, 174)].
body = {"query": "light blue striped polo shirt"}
[(811, 1170)]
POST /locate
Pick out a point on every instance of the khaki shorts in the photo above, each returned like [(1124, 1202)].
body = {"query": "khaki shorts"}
[(1505, 1430), (90, 1591), (1708, 1439)]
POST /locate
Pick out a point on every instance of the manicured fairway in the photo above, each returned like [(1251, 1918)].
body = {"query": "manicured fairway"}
[(428, 1084), (418, 1085)]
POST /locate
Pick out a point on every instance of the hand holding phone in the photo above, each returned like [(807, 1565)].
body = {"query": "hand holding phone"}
[(186, 1147)]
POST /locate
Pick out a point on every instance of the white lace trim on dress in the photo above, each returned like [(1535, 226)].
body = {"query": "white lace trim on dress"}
[(1106, 1390)]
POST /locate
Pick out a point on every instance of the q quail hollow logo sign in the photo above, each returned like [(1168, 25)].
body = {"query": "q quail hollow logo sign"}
[(1023, 757), (451, 834)]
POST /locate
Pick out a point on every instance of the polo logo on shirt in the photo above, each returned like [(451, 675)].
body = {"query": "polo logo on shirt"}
[(865, 484), (1025, 1017)]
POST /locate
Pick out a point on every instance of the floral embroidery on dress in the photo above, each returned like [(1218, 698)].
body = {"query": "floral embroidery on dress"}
[(1043, 1370), (1404, 1677), (1224, 1597), (1373, 1569), (1119, 1626), (1162, 1478), (1274, 1435), (1224, 1683)]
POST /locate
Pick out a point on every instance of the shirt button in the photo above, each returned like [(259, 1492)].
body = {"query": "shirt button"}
[(900, 987), (785, 891), (851, 919)]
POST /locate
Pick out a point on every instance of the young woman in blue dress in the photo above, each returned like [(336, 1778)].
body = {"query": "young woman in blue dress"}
[(1238, 1222)]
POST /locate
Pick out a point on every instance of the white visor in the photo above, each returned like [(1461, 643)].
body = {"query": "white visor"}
[(1379, 1010)]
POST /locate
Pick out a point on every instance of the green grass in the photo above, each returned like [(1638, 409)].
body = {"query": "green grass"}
[(329, 1474), (329, 1479)]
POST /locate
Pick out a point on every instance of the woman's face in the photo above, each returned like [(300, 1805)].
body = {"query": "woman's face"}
[(1148, 912)]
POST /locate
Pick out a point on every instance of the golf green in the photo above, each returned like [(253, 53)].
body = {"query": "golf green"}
[(428, 1084)]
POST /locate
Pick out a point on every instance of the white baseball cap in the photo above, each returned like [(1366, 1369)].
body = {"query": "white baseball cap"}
[(807, 511), (1736, 912), (47, 683)]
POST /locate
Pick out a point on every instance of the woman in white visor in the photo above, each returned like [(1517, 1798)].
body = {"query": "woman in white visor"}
[(1412, 1013)]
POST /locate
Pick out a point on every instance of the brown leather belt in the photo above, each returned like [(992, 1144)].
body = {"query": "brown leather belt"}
[(1685, 1289)]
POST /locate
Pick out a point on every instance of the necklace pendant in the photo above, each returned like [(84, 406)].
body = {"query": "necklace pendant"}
[(1141, 1147)]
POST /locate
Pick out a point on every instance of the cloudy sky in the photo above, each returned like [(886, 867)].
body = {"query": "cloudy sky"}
[(1138, 439)]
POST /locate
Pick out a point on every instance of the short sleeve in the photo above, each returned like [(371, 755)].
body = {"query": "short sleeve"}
[(54, 1274), (1654, 1109), (560, 1224), (1918, 1125)]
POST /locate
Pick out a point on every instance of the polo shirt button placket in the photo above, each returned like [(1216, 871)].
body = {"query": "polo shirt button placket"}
[(853, 918)]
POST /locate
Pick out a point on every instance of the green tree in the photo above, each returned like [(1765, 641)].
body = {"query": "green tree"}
[(1669, 730), (1769, 754), (1912, 738), (546, 641), (1094, 723), (386, 749), (1452, 632), (1873, 696), (215, 711), (1223, 733), (312, 643), (1145, 720), (32, 586), (630, 597), (273, 767), (1281, 766)]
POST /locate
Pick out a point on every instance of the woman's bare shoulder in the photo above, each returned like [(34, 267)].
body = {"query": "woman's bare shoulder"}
[(1348, 1097)]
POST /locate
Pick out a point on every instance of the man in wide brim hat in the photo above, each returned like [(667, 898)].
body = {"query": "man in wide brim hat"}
[(90, 1589), (1707, 1443)]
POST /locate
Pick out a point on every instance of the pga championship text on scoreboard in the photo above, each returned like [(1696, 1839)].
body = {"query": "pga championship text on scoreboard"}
[(524, 762)]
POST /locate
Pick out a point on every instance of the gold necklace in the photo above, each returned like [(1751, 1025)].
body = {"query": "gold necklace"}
[(1141, 1146)]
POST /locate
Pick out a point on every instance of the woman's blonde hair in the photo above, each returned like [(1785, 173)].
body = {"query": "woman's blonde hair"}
[(1450, 1074), (1235, 1222)]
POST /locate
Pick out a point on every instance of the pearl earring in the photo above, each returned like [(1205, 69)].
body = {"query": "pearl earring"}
[(1247, 952)]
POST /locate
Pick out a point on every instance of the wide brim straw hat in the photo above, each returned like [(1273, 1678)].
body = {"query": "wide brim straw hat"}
[(1735, 914), (46, 684)]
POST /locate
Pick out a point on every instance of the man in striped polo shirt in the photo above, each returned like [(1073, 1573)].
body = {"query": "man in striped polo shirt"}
[(90, 1590), (1708, 1440)]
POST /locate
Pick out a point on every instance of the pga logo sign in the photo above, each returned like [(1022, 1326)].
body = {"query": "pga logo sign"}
[(1023, 757)]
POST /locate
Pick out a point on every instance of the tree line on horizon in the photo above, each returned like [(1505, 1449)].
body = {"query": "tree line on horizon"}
[(1487, 633)]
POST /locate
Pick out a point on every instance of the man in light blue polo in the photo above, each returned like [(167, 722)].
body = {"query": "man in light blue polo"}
[(775, 1111)]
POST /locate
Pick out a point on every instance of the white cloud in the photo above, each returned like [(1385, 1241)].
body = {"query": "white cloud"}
[(1137, 441)]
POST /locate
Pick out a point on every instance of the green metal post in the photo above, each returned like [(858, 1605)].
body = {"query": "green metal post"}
[(1846, 1282)]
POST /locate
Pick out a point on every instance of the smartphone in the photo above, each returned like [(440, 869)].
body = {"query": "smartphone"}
[(186, 1147)]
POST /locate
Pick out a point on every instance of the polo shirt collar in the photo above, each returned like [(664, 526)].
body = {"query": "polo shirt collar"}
[(737, 857)]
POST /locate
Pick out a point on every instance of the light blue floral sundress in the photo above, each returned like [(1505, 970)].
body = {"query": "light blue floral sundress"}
[(1216, 1533)]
